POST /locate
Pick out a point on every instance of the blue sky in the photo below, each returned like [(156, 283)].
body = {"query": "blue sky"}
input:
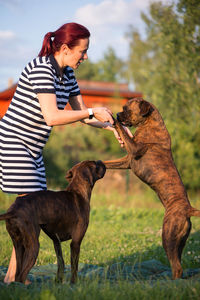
[(23, 24)]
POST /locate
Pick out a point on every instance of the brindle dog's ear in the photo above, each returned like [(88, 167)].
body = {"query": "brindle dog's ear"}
[(145, 108)]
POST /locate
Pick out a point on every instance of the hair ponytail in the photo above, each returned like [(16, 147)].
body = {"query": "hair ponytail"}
[(69, 33), (47, 44)]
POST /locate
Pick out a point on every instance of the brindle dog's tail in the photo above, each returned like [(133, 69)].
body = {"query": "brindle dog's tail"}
[(194, 212), (6, 216)]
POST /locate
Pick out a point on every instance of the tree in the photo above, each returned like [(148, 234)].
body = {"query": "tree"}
[(87, 71), (109, 68), (165, 66)]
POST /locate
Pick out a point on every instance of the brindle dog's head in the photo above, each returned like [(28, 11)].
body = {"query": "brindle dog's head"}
[(88, 170), (135, 112)]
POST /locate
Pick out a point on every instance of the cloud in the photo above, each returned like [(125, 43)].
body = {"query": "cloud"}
[(6, 35), (110, 12), (13, 57), (14, 50), (11, 4), (109, 20), (113, 12)]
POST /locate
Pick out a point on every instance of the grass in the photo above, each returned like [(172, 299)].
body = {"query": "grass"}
[(92, 290), (121, 229)]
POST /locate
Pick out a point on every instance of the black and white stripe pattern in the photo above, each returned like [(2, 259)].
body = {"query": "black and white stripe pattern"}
[(23, 131)]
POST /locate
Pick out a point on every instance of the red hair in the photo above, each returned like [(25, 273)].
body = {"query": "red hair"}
[(69, 34)]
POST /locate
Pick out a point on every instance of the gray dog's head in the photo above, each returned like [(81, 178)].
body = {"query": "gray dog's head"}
[(88, 171), (135, 112)]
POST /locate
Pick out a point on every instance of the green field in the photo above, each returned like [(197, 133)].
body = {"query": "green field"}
[(124, 231)]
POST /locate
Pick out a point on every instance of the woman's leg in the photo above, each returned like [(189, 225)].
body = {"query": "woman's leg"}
[(10, 275)]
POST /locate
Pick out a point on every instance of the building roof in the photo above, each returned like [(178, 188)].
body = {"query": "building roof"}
[(107, 89), (93, 92)]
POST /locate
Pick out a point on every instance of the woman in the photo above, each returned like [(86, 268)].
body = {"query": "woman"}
[(45, 86)]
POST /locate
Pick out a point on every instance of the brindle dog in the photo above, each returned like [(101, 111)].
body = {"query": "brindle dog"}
[(62, 215), (150, 158)]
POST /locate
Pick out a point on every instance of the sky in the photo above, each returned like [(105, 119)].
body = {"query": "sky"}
[(23, 24)]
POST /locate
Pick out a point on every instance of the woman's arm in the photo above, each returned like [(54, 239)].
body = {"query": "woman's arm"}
[(54, 116)]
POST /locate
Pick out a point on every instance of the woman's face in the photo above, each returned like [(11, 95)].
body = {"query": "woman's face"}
[(75, 56)]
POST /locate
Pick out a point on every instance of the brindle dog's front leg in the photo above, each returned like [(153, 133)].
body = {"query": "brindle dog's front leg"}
[(120, 163), (136, 150)]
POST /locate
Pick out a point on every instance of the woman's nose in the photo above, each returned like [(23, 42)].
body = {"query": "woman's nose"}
[(85, 56)]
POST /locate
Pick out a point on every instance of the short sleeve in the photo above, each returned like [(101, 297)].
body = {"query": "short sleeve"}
[(74, 90), (42, 79)]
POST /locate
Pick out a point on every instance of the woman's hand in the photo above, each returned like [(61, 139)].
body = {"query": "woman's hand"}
[(103, 114)]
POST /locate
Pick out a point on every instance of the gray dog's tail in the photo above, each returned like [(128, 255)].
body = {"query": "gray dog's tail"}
[(6, 216), (194, 212)]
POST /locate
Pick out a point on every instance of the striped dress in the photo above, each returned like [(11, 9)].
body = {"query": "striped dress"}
[(23, 131)]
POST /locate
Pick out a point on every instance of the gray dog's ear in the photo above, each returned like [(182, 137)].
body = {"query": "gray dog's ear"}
[(145, 108), (69, 176)]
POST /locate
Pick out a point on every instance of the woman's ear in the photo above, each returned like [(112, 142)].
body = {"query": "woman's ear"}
[(64, 48)]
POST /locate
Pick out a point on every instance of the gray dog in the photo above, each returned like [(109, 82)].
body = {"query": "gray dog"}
[(62, 215)]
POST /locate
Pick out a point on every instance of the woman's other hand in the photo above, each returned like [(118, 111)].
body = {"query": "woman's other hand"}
[(109, 127)]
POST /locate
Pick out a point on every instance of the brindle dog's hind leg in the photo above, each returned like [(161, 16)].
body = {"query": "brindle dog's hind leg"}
[(176, 229)]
